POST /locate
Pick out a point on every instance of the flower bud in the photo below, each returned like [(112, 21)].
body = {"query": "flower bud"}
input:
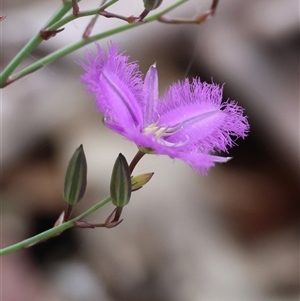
[(75, 180), (139, 181), (120, 184), (152, 4)]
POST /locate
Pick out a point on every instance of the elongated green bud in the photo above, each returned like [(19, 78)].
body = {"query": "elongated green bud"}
[(152, 4), (75, 180), (120, 184), (139, 181)]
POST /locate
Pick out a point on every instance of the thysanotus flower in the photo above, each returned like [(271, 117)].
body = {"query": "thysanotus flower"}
[(188, 122)]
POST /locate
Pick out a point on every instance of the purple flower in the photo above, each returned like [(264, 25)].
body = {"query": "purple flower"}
[(188, 122)]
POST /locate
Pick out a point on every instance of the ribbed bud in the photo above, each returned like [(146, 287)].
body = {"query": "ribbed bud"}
[(139, 181), (75, 180), (152, 4), (120, 184)]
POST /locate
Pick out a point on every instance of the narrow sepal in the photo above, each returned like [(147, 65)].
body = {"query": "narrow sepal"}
[(75, 179)]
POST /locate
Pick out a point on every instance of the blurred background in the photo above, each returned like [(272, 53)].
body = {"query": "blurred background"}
[(233, 235)]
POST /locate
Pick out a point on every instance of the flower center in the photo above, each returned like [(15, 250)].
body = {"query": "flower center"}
[(161, 133)]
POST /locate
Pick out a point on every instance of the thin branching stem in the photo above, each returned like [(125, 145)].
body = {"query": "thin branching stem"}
[(32, 44), (53, 231), (139, 155), (6, 78)]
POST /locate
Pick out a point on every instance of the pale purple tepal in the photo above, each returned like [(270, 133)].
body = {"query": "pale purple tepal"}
[(188, 122)]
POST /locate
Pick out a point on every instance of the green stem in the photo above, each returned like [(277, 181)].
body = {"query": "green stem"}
[(66, 50), (87, 13), (75, 46), (53, 231), (32, 44)]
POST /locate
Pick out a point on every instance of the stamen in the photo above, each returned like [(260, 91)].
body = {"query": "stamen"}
[(176, 144), (160, 133), (173, 130)]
